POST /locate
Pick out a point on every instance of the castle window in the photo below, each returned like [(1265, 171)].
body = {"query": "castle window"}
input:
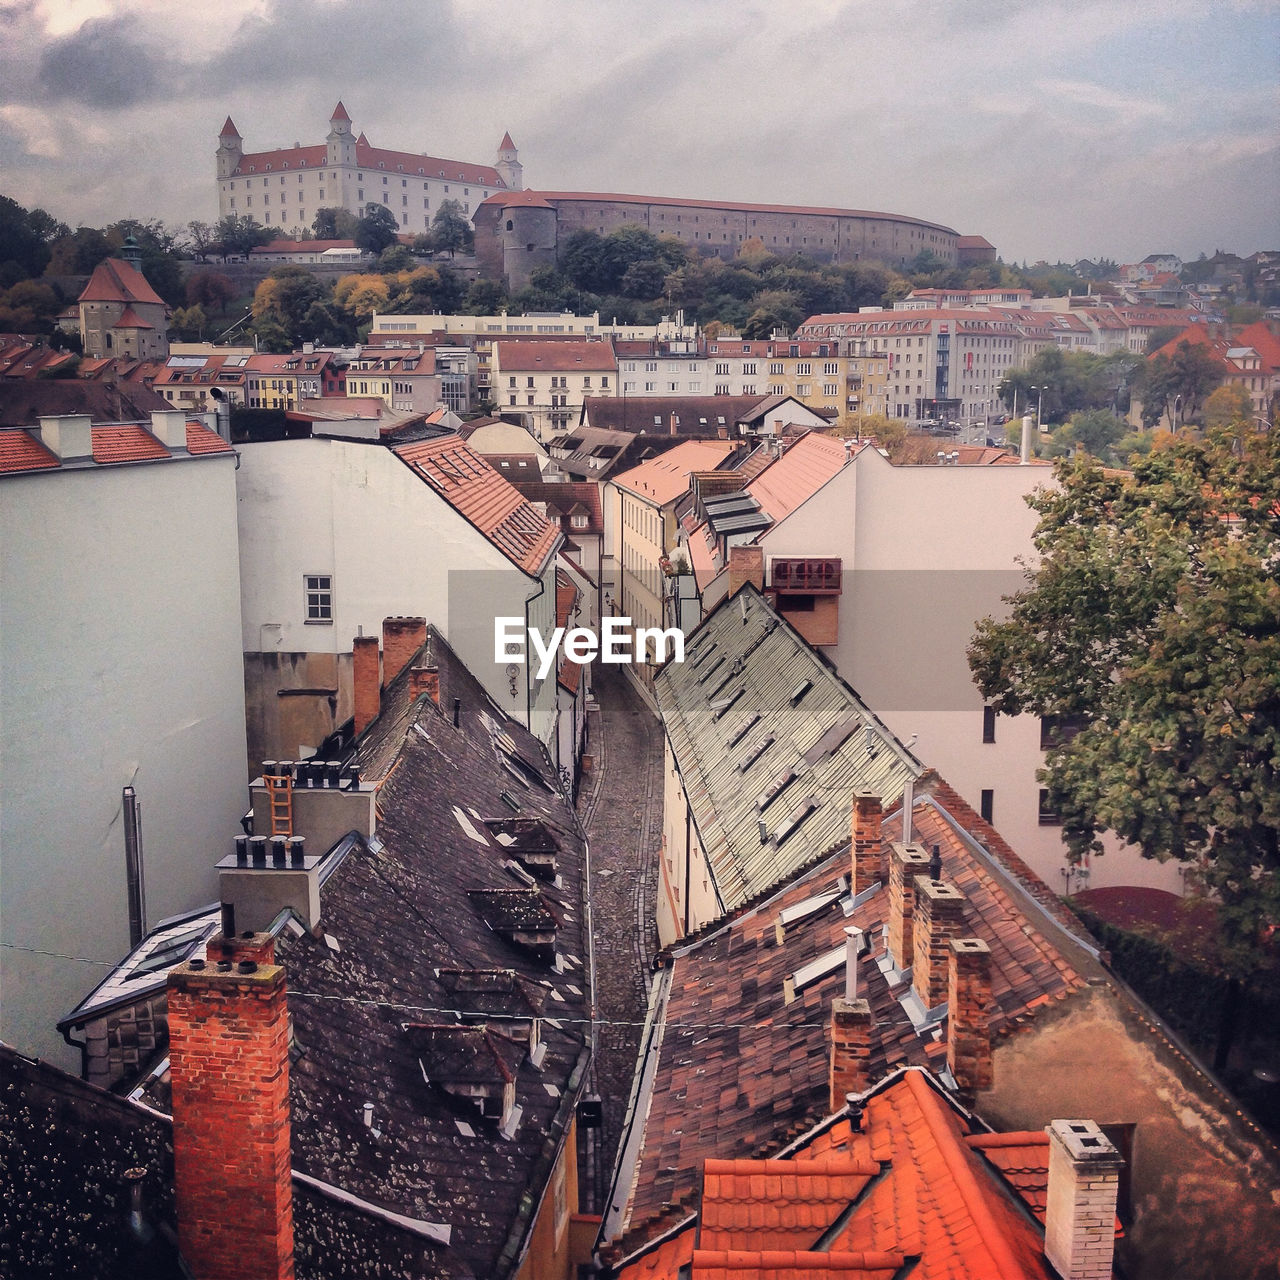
[(511, 226)]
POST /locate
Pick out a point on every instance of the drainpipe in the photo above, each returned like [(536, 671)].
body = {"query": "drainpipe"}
[(133, 867)]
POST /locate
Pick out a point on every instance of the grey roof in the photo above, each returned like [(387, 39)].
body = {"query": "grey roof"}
[(762, 730)]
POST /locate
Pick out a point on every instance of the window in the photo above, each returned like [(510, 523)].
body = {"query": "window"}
[(1048, 815), (986, 804), (1057, 730), (803, 369), (319, 591), (578, 522), (988, 724)]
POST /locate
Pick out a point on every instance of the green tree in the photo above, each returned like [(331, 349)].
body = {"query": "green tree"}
[(1153, 620), (23, 239), (1175, 386), (1227, 407), (484, 298), (239, 235), (211, 290), (28, 307), (284, 298), (1096, 432), (395, 257), (79, 251), (334, 224), (377, 229), (450, 229), (201, 240), (187, 324)]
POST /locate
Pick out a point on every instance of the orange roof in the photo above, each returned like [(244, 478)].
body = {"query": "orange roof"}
[(21, 451), (130, 319), (340, 113), (201, 440), (484, 499), (796, 476), (506, 144), (1259, 336), (370, 157), (229, 129), (116, 281), (773, 1264), (666, 477), (126, 444), (534, 357)]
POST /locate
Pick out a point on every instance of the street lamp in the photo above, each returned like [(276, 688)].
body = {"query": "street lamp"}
[(1039, 404), (1177, 404)]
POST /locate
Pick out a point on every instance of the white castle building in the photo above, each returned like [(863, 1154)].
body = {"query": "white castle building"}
[(284, 188)]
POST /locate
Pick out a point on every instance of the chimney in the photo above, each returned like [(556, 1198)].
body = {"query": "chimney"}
[(905, 862), (1024, 454), (746, 564), (939, 917), (867, 846), (366, 678), (672, 423), (425, 680), (401, 639), (69, 436), (969, 1014), (169, 426), (851, 1027), (229, 1064), (1080, 1208)]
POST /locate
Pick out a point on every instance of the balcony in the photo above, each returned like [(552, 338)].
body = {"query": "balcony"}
[(805, 577)]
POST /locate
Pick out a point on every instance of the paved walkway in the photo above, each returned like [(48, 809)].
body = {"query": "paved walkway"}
[(621, 807)]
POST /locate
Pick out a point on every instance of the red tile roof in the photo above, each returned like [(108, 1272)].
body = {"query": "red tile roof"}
[(506, 144), (126, 444), (1260, 337), (116, 281), (201, 440), (130, 319), (302, 246), (566, 495), (662, 479), (483, 498), (534, 357), (229, 129), (340, 113), (21, 451), (796, 476), (380, 159)]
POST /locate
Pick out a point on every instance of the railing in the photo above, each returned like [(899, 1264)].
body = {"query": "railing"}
[(805, 577)]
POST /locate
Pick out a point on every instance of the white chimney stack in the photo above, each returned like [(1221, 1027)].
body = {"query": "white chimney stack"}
[(1025, 453), (1080, 1210)]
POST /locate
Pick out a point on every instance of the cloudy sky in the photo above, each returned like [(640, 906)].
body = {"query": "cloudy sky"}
[(1056, 128)]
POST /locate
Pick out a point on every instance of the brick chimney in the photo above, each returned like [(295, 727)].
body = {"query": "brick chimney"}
[(867, 847), (746, 564), (229, 1063), (1080, 1208), (905, 862), (939, 917), (969, 1014), (851, 1028), (367, 681), (401, 639), (425, 680)]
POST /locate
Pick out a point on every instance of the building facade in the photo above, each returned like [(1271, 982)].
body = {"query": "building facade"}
[(121, 315), (285, 187)]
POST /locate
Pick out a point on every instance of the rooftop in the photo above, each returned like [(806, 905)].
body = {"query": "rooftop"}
[(666, 477)]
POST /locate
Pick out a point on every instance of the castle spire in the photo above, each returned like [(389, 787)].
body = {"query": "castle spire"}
[(229, 129), (339, 113)]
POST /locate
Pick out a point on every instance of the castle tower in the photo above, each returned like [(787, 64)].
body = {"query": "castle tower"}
[(342, 147), (230, 149), (508, 165)]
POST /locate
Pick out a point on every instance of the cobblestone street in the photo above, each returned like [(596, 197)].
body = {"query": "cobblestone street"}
[(621, 808)]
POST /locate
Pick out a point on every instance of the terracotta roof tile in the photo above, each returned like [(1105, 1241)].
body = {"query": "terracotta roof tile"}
[(380, 159), (522, 356), (130, 319), (201, 440), (483, 498), (116, 281), (796, 476), (665, 478), (126, 444), (21, 451)]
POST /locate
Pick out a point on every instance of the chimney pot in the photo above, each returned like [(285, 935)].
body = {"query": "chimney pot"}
[(197, 965), (905, 862), (247, 966), (851, 1026), (867, 844), (1080, 1205)]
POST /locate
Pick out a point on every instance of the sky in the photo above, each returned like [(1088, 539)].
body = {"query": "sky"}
[(1058, 129)]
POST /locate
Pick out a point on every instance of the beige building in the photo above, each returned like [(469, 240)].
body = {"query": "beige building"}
[(121, 314), (546, 382), (283, 188)]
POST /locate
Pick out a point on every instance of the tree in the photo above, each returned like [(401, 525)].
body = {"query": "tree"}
[(334, 224), (28, 307), (1175, 385), (211, 290), (239, 235), (450, 229), (1096, 432), (22, 239), (377, 229), (187, 324), (284, 298), (1153, 621), (395, 257), (1228, 406), (484, 298), (201, 240)]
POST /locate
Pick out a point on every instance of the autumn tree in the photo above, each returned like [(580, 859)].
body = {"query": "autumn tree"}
[(1153, 622), (1175, 386)]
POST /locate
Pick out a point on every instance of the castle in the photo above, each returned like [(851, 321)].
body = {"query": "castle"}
[(518, 231), (284, 188)]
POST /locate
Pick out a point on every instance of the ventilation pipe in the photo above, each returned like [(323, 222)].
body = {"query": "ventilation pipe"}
[(133, 867)]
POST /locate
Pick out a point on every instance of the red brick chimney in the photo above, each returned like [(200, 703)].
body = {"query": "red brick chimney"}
[(867, 846), (905, 862), (851, 1028), (229, 1064), (1080, 1206), (367, 681), (939, 917), (401, 639), (425, 680), (746, 564), (969, 1014)]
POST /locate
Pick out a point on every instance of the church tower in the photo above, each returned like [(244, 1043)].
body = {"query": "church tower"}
[(342, 146), (508, 165), (230, 149)]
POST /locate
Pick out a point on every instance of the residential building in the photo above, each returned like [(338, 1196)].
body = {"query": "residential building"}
[(24, 401), (404, 380), (640, 520), (546, 382), (341, 530), (576, 507), (1240, 365), (121, 314), (119, 668), (418, 1084), (188, 381), (285, 187)]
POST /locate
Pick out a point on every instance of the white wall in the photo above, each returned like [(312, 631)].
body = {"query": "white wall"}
[(119, 664), (392, 546), (932, 550)]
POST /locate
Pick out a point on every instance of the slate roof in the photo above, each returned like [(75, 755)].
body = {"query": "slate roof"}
[(23, 402), (909, 1186), (738, 1002), (794, 740), (704, 416), (465, 480), (384, 990), (566, 496)]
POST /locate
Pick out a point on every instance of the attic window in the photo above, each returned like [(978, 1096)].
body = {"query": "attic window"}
[(757, 751), (793, 823), (800, 690), (723, 705), (743, 729), (776, 788)]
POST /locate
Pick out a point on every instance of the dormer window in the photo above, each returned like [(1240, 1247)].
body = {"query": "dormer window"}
[(522, 917), (474, 1067)]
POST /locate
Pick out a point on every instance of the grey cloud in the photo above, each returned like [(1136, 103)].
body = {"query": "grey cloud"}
[(103, 64)]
